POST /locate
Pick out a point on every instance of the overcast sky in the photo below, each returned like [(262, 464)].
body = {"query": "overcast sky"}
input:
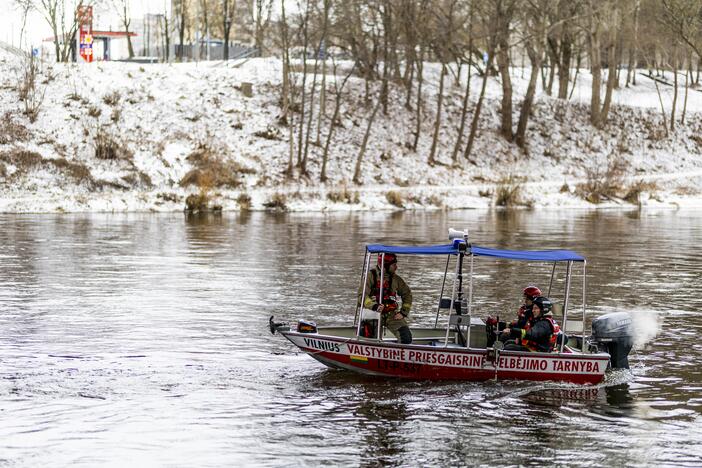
[(37, 27)]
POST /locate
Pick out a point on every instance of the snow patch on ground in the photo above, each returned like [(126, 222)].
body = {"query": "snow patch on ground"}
[(158, 114)]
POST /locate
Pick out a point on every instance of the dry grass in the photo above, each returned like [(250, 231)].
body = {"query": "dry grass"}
[(11, 131), (395, 199), (94, 112), (27, 161), (107, 147), (111, 99), (508, 193), (270, 133), (244, 201), (634, 191), (169, 197), (29, 92), (435, 200), (197, 202), (686, 191), (343, 196), (603, 184), (277, 202), (138, 178), (211, 170)]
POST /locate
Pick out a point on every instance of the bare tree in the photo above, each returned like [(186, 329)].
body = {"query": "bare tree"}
[(205, 25), (63, 19), (535, 24), (504, 11), (182, 20), (25, 6), (228, 8), (362, 151), (121, 7), (334, 120), (262, 18), (166, 35), (466, 94)]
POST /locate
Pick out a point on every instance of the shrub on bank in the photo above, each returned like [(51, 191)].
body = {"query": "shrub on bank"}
[(244, 201), (343, 196), (508, 193), (11, 131), (107, 147), (395, 199), (212, 170), (277, 202)]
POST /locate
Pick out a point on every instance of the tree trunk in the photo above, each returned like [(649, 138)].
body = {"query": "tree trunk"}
[(564, 66), (466, 95), (636, 39), (56, 42), (464, 112), (611, 80), (409, 81), (166, 39), (420, 80), (660, 100), (578, 63), (506, 107), (303, 165), (322, 101), (478, 107), (181, 30), (630, 66), (675, 89), (362, 152), (332, 125), (596, 66), (520, 136), (127, 21), (285, 98), (553, 59), (687, 86), (437, 121), (387, 12), (227, 18), (305, 43)]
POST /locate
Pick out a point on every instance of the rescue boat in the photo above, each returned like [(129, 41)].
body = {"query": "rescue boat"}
[(464, 347)]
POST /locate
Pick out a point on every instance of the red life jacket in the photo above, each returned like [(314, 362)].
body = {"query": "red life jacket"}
[(533, 345), (389, 298)]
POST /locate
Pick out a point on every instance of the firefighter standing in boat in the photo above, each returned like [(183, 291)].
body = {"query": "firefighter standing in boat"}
[(395, 317), (539, 335)]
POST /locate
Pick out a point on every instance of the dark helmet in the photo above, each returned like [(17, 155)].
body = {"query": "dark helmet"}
[(389, 259), (531, 292), (544, 304)]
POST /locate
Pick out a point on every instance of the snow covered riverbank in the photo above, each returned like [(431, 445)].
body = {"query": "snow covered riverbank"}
[(130, 137)]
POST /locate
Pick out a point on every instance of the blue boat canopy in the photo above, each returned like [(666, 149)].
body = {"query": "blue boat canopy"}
[(452, 249)]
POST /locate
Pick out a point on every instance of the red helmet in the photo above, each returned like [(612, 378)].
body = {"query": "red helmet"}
[(389, 259), (531, 292)]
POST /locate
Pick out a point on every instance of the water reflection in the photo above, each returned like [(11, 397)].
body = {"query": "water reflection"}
[(167, 315)]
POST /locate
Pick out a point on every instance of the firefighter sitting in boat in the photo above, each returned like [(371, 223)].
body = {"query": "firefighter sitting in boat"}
[(394, 318), (525, 314), (539, 335)]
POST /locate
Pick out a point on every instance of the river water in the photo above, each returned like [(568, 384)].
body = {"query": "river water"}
[(142, 339)]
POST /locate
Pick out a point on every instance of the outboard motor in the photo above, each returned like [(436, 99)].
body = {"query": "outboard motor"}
[(614, 333)]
